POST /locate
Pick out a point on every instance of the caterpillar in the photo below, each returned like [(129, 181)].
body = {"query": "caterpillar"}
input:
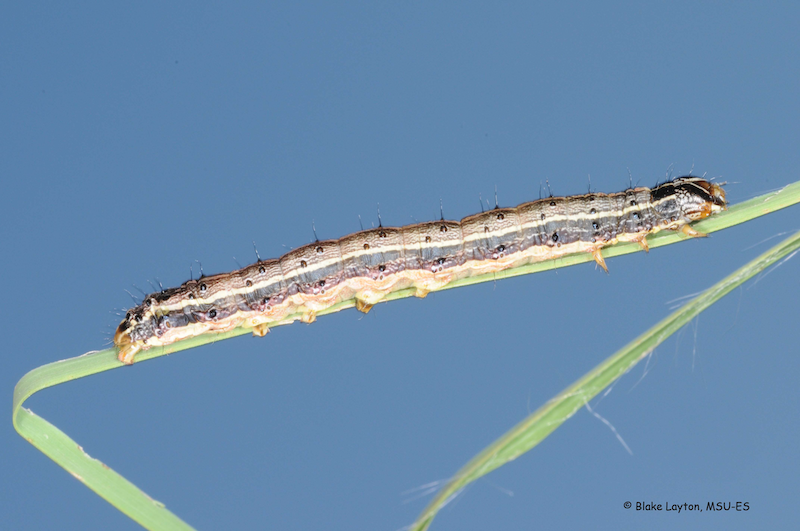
[(368, 265)]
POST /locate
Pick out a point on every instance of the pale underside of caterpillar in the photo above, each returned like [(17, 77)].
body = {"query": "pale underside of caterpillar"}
[(368, 265)]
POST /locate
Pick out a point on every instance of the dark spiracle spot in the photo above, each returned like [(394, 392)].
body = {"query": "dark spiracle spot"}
[(427, 239), (212, 313), (633, 202), (382, 234), (440, 261), (262, 269), (552, 203), (203, 287), (265, 301), (501, 248), (555, 237), (191, 296), (593, 211), (591, 198), (303, 263), (248, 283), (366, 247), (321, 283), (443, 228), (128, 315), (500, 216), (635, 215), (148, 303), (381, 268), (543, 216), (673, 218), (595, 225), (319, 250)]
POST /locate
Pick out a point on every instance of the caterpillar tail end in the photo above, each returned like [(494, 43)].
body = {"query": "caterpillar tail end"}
[(127, 349), (127, 353)]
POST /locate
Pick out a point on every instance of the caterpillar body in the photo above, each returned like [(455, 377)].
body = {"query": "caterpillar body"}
[(368, 265)]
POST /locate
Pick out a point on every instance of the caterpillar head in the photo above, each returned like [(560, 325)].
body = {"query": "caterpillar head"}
[(691, 198), (707, 197)]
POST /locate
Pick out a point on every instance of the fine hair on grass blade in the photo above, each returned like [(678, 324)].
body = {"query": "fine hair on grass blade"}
[(538, 425), (153, 515)]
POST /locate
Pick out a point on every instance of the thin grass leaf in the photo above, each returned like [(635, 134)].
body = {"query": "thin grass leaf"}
[(153, 515), (537, 426)]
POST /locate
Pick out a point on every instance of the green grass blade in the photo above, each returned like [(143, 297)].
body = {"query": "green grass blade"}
[(537, 426), (151, 514), (114, 488), (56, 445)]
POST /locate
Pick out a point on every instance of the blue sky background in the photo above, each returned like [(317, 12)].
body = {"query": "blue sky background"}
[(136, 140)]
